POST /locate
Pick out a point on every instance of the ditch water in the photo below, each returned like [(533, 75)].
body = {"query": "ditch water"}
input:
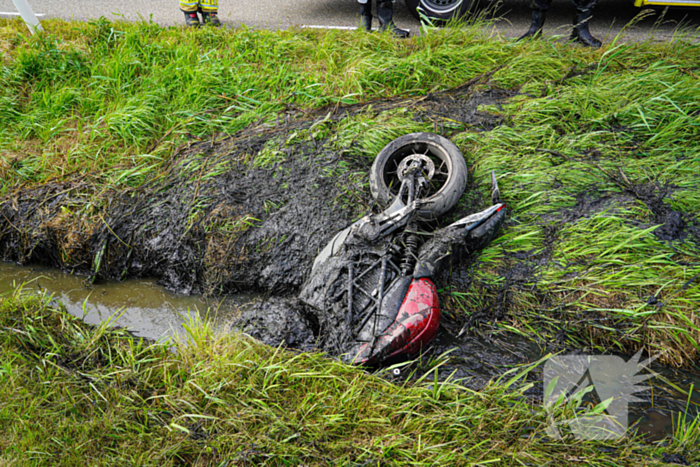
[(146, 309), (149, 311)]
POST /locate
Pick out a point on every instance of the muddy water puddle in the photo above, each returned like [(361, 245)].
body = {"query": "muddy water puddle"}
[(143, 307), (150, 311)]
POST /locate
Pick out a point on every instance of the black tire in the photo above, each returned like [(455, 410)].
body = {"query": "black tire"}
[(446, 185), (440, 11)]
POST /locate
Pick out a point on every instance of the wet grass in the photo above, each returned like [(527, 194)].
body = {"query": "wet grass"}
[(113, 97), (74, 394), (601, 172), (597, 156)]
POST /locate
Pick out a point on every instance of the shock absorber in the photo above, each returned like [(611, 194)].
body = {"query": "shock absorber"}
[(408, 261)]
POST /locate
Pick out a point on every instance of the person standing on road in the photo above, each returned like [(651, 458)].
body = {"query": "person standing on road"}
[(208, 9), (580, 33), (385, 14)]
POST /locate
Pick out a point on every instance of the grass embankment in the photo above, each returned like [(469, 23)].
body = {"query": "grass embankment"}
[(596, 150), (71, 394), (597, 154)]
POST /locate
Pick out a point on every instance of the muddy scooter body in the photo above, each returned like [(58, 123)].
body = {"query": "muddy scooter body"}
[(377, 275)]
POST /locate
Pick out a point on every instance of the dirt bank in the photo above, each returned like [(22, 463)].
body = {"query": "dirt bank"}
[(250, 211), (242, 213)]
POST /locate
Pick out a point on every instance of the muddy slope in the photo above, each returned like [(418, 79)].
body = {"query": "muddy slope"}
[(244, 213), (589, 236)]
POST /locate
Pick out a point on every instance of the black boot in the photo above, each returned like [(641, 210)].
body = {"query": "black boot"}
[(580, 33), (538, 17), (366, 15), (385, 13), (191, 19), (211, 18)]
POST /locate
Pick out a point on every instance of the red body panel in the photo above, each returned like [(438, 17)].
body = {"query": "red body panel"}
[(419, 316), (415, 326)]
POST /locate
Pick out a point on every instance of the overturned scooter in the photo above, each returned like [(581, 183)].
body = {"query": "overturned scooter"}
[(374, 279)]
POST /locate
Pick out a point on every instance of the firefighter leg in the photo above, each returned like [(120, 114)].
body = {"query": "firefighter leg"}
[(385, 13), (210, 9), (539, 10), (584, 13), (190, 7), (366, 14)]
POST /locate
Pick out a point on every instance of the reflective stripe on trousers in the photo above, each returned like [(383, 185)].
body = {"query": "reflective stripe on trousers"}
[(204, 5)]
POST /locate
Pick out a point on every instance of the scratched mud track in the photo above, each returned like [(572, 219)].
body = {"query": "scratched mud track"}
[(244, 213), (250, 211)]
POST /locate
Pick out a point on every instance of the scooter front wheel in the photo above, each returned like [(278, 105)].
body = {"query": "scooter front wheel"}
[(441, 163)]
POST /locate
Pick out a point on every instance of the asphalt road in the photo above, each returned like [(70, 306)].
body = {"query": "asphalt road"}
[(610, 18)]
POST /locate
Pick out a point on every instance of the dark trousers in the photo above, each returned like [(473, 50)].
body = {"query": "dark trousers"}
[(366, 8), (580, 5)]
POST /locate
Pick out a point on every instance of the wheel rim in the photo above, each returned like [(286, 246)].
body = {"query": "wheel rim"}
[(436, 168), (441, 6)]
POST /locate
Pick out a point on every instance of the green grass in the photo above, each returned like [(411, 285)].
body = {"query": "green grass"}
[(609, 142), (71, 394), (590, 146), (605, 131), (103, 96)]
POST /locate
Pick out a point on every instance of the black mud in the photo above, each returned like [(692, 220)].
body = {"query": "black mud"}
[(246, 213)]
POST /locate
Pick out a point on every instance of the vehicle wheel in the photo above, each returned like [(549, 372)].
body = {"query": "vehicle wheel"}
[(439, 10), (442, 164)]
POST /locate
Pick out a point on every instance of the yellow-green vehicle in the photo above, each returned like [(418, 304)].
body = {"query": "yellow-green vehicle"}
[(683, 3)]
